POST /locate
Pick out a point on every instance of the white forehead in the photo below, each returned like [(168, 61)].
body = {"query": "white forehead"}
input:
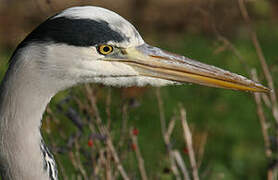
[(115, 22)]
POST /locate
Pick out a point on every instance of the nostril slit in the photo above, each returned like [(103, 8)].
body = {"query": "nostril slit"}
[(124, 51)]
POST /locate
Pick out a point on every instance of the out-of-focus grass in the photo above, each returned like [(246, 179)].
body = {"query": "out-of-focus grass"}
[(235, 147)]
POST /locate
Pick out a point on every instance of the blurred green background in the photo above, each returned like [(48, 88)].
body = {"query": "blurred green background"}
[(234, 148)]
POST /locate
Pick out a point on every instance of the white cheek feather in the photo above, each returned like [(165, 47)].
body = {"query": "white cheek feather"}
[(139, 81), (83, 66), (83, 62), (106, 68)]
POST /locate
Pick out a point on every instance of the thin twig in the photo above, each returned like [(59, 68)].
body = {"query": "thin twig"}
[(108, 109), (172, 154), (181, 164), (167, 140), (104, 130), (92, 100), (138, 155), (174, 167), (108, 164), (117, 160), (262, 118), (201, 148), (161, 112), (167, 135), (124, 129), (108, 157), (188, 140), (100, 161), (264, 126), (236, 52), (78, 160), (272, 173), (73, 160), (262, 59)]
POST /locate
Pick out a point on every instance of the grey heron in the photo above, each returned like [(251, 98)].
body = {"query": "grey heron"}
[(83, 45)]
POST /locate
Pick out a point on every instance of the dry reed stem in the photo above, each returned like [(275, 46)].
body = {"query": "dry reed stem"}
[(201, 149), (78, 160), (92, 100), (188, 140), (90, 124), (167, 140), (161, 111), (117, 160), (171, 127), (262, 59), (104, 131), (108, 109), (75, 157), (108, 168), (80, 104), (272, 171), (174, 167), (241, 59), (139, 156), (272, 103), (167, 135), (266, 100), (257, 96), (100, 162), (124, 130), (264, 126), (108, 164), (181, 164), (229, 45), (73, 160), (123, 133), (262, 118), (79, 177)]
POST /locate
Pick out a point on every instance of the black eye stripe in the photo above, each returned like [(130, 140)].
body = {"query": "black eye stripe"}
[(77, 32)]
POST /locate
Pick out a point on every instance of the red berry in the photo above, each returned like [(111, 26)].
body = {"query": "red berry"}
[(90, 143), (135, 131), (133, 147), (185, 150)]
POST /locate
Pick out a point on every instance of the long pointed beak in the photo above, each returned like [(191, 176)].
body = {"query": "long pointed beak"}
[(154, 62)]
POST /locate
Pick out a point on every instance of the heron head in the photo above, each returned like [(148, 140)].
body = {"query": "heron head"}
[(92, 44)]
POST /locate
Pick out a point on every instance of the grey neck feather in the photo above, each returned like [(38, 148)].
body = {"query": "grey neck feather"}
[(24, 95)]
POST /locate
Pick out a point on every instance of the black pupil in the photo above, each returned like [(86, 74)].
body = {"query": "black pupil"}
[(106, 49)]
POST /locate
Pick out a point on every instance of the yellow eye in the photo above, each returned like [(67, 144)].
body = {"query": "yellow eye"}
[(105, 49)]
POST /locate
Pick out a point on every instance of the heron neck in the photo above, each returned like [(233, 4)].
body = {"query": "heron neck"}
[(23, 99)]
